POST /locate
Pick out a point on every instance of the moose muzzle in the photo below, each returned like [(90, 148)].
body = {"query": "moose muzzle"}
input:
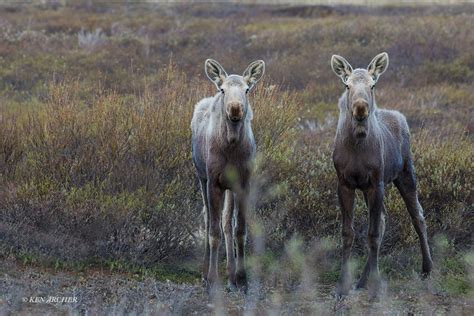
[(235, 111), (360, 110)]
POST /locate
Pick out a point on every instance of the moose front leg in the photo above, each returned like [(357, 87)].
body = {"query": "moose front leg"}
[(346, 200), (215, 197), (240, 236), (227, 217), (375, 235), (365, 274)]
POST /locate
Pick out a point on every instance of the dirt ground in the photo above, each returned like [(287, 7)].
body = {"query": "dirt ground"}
[(25, 290)]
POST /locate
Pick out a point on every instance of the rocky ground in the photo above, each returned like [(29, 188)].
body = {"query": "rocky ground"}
[(25, 290)]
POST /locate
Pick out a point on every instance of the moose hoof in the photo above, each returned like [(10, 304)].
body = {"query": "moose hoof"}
[(343, 288), (212, 291), (241, 281), (341, 294), (426, 270), (231, 286), (374, 297), (211, 287), (425, 275), (362, 284), (375, 287)]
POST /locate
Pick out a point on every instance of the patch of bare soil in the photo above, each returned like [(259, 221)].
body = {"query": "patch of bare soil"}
[(28, 290)]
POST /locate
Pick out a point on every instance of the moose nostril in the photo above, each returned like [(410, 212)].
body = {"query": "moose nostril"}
[(360, 110), (235, 112)]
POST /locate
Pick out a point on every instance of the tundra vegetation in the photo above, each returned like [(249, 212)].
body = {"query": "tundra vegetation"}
[(98, 192)]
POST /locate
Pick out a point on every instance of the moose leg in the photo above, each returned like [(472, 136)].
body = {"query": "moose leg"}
[(205, 267), (376, 227), (228, 214), (346, 200), (241, 235), (406, 185), (365, 274), (215, 195)]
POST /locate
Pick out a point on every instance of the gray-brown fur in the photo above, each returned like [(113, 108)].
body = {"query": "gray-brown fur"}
[(372, 149), (223, 148)]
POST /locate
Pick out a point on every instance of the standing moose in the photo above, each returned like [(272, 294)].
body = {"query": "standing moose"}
[(372, 149), (223, 148)]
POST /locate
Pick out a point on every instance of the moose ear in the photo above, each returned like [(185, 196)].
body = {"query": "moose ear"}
[(254, 72), (378, 65), (341, 67), (215, 72)]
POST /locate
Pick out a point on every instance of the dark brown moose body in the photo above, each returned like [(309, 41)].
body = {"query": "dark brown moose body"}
[(223, 148), (372, 149)]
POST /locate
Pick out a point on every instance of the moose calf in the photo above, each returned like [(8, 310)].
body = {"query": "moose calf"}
[(372, 149), (223, 148)]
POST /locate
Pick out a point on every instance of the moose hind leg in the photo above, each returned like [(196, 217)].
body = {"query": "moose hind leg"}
[(406, 185), (227, 217), (205, 267)]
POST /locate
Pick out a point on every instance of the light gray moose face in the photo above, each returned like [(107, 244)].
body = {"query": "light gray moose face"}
[(234, 87), (360, 84)]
